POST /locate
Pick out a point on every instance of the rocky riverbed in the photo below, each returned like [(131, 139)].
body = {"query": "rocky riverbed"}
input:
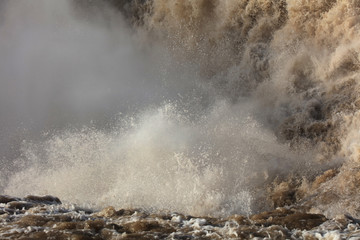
[(46, 217)]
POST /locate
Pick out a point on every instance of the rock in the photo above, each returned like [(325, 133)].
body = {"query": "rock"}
[(160, 216), (146, 226), (62, 218), (32, 220), (44, 199), (140, 226), (289, 218), (127, 212), (43, 221), (80, 235), (58, 219), (20, 205), (303, 221), (106, 234), (137, 236), (264, 217), (6, 199), (95, 225), (38, 235), (65, 226)]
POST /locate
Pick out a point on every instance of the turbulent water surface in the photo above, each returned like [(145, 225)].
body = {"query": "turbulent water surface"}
[(204, 107)]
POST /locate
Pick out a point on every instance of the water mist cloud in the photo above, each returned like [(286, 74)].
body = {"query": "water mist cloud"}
[(58, 69), (199, 129)]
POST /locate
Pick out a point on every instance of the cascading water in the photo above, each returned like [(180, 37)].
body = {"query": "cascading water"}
[(201, 107)]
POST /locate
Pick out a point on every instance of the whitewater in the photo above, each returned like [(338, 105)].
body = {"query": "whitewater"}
[(199, 107)]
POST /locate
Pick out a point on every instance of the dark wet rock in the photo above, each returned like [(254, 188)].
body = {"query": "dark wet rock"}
[(182, 237), (218, 222), (80, 235), (289, 219), (350, 219), (107, 233), (32, 220), (6, 199), (140, 214), (48, 234), (37, 235), (43, 199), (160, 216), (125, 212), (146, 226), (83, 210), (80, 225), (20, 205), (303, 221), (140, 226), (140, 236), (9, 211), (65, 225), (61, 218), (270, 215), (95, 225)]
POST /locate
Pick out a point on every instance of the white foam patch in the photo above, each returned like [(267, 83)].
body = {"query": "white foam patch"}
[(160, 159)]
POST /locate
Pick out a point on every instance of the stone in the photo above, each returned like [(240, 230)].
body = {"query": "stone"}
[(65, 226), (6, 199), (303, 221), (147, 226), (289, 218), (44, 199), (106, 234), (79, 235), (32, 220), (20, 205), (95, 225), (140, 226), (38, 235)]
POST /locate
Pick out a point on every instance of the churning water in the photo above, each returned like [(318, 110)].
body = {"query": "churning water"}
[(205, 107)]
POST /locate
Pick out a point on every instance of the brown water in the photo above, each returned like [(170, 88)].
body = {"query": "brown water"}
[(35, 217), (226, 106)]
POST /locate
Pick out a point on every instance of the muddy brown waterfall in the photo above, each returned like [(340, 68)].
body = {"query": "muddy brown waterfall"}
[(202, 107)]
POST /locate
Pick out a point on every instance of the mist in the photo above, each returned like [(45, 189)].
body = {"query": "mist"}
[(60, 69), (166, 115)]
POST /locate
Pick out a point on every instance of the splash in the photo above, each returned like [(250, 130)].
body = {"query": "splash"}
[(161, 160), (226, 105)]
